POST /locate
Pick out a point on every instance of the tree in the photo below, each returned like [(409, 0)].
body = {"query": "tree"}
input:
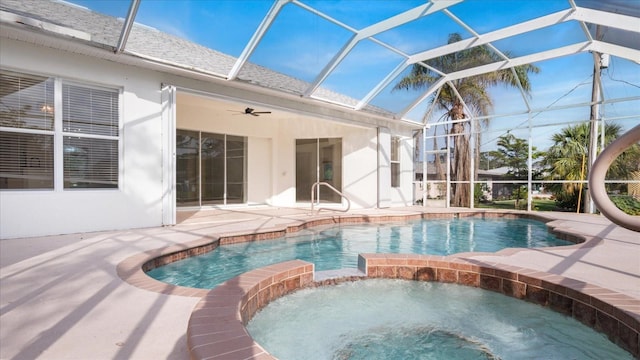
[(567, 159), (513, 152), (473, 92), (491, 160)]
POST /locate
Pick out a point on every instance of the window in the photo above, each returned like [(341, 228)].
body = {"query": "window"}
[(211, 168), (395, 161), (85, 129), (90, 129), (26, 131)]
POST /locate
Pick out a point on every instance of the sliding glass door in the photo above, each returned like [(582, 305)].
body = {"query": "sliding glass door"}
[(318, 160), (210, 168), (236, 170), (187, 168)]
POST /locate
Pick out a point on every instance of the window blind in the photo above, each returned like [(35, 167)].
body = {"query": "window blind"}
[(89, 110), (26, 161), (90, 163), (29, 129), (26, 101), (91, 154)]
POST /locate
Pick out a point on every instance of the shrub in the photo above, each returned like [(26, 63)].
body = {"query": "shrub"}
[(627, 204), (566, 201)]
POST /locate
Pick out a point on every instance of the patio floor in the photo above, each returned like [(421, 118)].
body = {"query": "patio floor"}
[(61, 297)]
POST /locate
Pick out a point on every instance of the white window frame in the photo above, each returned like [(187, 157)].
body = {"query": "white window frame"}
[(59, 134), (26, 130), (396, 145)]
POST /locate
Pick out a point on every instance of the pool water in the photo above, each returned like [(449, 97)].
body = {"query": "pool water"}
[(400, 319), (337, 247)]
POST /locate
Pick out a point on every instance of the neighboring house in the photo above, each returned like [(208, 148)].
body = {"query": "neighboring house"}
[(496, 185), (436, 189), (495, 191), (94, 140)]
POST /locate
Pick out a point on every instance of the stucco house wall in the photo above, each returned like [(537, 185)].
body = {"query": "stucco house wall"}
[(138, 202)]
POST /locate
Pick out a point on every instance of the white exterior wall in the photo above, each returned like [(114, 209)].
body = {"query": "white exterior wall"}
[(272, 152), (360, 164), (259, 170), (138, 201)]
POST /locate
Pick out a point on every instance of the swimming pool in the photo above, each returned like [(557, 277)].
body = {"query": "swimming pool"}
[(400, 319), (338, 247)]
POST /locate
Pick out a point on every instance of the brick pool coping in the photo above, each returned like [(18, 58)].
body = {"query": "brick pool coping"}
[(216, 327), (217, 324), (217, 330)]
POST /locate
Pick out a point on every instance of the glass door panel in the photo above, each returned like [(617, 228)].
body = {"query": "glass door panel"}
[(330, 168), (236, 169), (187, 170), (212, 163), (211, 169), (306, 167)]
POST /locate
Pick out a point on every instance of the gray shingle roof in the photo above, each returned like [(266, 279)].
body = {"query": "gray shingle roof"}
[(148, 42)]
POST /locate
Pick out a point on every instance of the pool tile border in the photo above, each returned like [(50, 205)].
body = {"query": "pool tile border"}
[(614, 314), (133, 269), (217, 330)]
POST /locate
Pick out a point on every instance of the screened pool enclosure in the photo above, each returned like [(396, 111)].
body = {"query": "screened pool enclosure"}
[(510, 101)]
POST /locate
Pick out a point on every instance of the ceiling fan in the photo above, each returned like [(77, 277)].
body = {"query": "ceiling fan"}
[(250, 111)]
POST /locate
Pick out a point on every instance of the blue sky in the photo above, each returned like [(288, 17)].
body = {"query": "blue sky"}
[(300, 44)]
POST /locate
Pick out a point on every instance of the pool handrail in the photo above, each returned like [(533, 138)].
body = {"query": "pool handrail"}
[(597, 177), (318, 183)]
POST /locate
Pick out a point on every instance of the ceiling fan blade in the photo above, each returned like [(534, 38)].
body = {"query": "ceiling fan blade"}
[(250, 111)]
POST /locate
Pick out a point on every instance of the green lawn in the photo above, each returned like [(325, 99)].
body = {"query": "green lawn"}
[(538, 205)]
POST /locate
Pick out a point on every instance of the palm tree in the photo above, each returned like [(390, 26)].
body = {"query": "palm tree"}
[(474, 92), (567, 159)]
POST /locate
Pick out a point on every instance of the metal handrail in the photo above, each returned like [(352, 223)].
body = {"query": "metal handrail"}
[(318, 183), (598, 173)]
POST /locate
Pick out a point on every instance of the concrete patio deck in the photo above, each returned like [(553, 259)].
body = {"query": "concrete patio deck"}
[(62, 298)]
